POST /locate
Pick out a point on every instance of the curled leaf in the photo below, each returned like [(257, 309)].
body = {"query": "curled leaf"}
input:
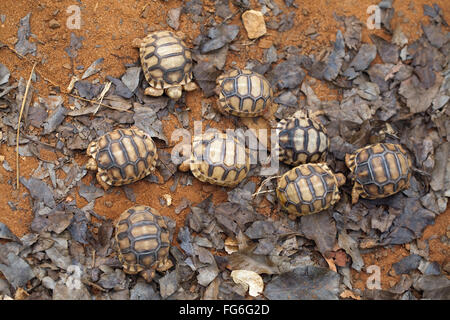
[(250, 280)]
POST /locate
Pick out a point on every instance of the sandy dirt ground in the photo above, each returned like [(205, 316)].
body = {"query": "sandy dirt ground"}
[(108, 28)]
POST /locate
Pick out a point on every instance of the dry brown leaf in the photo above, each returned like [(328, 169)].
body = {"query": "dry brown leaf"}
[(20, 294), (349, 294), (331, 264), (231, 245), (393, 71), (250, 280)]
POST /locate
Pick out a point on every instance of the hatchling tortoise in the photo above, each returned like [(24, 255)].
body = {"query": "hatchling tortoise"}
[(218, 158), (121, 157), (301, 139), (309, 188), (167, 64), (142, 240), (244, 93), (379, 170)]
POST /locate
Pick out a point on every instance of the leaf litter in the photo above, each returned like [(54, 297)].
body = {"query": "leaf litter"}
[(287, 259)]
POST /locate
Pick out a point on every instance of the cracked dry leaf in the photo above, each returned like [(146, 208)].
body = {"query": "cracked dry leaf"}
[(304, 283), (23, 46), (16, 270), (346, 294), (321, 228), (419, 99), (351, 247), (5, 233), (94, 68), (250, 280), (258, 263)]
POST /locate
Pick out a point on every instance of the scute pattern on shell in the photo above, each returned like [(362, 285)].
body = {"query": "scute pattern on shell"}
[(142, 239), (244, 93), (123, 156), (219, 159), (308, 189), (301, 140), (166, 60), (380, 170)]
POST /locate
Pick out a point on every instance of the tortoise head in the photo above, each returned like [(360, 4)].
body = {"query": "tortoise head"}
[(174, 92), (147, 274), (185, 165), (136, 43), (91, 164), (350, 161)]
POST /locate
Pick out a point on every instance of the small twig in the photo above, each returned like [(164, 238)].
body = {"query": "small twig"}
[(262, 192), (93, 258), (96, 215), (258, 192), (64, 91), (24, 99), (91, 284), (102, 95), (166, 167)]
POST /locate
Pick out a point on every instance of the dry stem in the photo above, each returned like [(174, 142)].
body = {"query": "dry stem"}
[(24, 99)]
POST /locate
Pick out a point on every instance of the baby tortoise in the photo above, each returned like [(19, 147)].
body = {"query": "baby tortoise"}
[(302, 139), (244, 93), (121, 157), (218, 159), (143, 243), (309, 188), (379, 170), (167, 64)]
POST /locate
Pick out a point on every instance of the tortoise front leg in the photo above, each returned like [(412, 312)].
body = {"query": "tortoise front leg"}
[(102, 181), (191, 86), (356, 191), (148, 275), (150, 91)]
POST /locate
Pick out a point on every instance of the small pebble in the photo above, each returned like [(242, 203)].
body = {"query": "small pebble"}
[(173, 18), (447, 267), (254, 24), (310, 31), (54, 24), (48, 283)]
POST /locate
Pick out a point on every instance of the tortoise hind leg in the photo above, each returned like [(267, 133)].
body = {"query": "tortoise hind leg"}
[(164, 265)]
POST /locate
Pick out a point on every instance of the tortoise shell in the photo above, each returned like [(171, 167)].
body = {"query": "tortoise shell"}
[(302, 140), (123, 156), (244, 93), (166, 60), (308, 189), (379, 170), (219, 159), (142, 238)]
